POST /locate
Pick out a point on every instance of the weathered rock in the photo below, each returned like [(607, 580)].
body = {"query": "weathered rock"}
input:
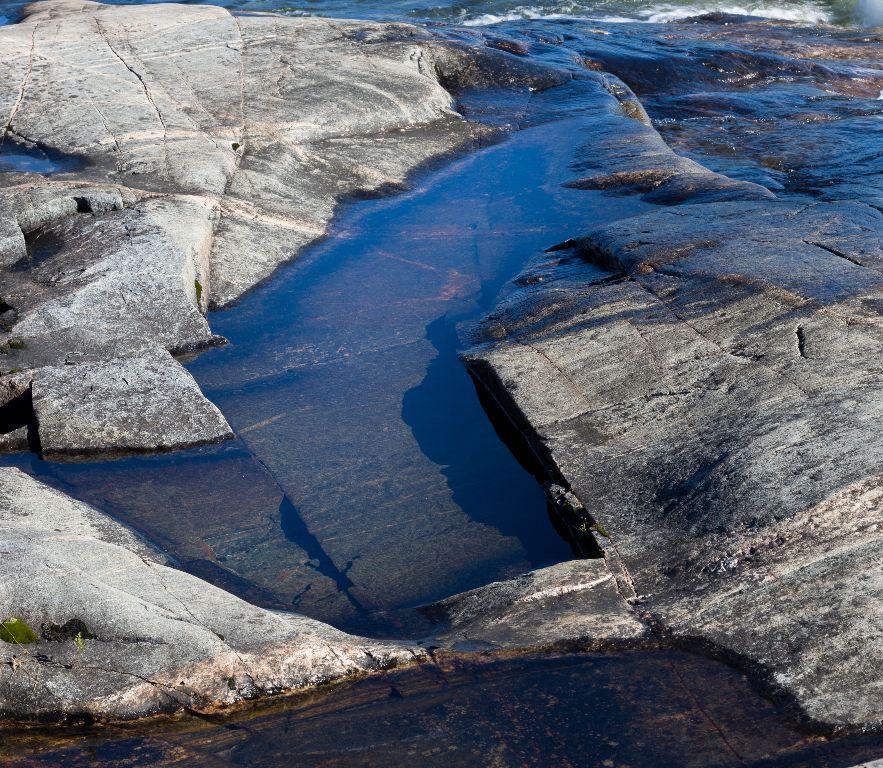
[(574, 604), (213, 148), (705, 379), (276, 160), (156, 639), (635, 159), (140, 403)]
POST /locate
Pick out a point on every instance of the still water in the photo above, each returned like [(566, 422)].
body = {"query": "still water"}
[(662, 709), (366, 477)]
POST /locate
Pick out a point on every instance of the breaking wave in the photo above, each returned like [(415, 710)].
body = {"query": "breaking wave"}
[(868, 13)]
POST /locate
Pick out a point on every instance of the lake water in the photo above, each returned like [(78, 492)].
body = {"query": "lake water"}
[(485, 12)]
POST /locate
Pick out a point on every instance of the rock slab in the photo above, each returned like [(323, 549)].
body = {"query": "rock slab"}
[(704, 378), (201, 151), (124, 635)]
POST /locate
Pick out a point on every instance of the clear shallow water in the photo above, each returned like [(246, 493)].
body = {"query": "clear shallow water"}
[(662, 709), (25, 158)]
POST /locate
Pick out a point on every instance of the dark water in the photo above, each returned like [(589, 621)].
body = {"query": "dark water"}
[(662, 709)]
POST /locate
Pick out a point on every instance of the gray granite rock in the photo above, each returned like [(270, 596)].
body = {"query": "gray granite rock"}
[(570, 605), (705, 379), (209, 149), (124, 635), (135, 404)]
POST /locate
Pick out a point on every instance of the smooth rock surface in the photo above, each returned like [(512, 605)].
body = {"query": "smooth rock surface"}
[(705, 378), (123, 402), (151, 638)]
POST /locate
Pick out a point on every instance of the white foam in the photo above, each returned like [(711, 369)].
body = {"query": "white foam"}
[(811, 14), (808, 13), (614, 19), (516, 14)]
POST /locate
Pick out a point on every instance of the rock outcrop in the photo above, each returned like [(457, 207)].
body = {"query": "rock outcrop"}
[(569, 606), (701, 382), (122, 634), (209, 148), (195, 152), (704, 380)]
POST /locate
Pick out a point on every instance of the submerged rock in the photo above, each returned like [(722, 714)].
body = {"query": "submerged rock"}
[(711, 396), (123, 634)]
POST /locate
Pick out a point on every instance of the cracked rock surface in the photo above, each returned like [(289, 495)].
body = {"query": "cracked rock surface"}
[(210, 148), (151, 638), (573, 604), (705, 378)]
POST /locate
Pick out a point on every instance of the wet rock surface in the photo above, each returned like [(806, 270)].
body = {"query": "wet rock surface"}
[(704, 378), (123, 634), (659, 709)]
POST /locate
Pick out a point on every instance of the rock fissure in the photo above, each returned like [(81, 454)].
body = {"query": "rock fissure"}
[(24, 86), (706, 715), (837, 252), (756, 359), (140, 78), (800, 333), (545, 357)]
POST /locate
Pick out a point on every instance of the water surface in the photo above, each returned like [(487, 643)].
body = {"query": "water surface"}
[(662, 709), (487, 12), (19, 157)]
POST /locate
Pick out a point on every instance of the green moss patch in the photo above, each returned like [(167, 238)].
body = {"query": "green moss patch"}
[(14, 630)]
